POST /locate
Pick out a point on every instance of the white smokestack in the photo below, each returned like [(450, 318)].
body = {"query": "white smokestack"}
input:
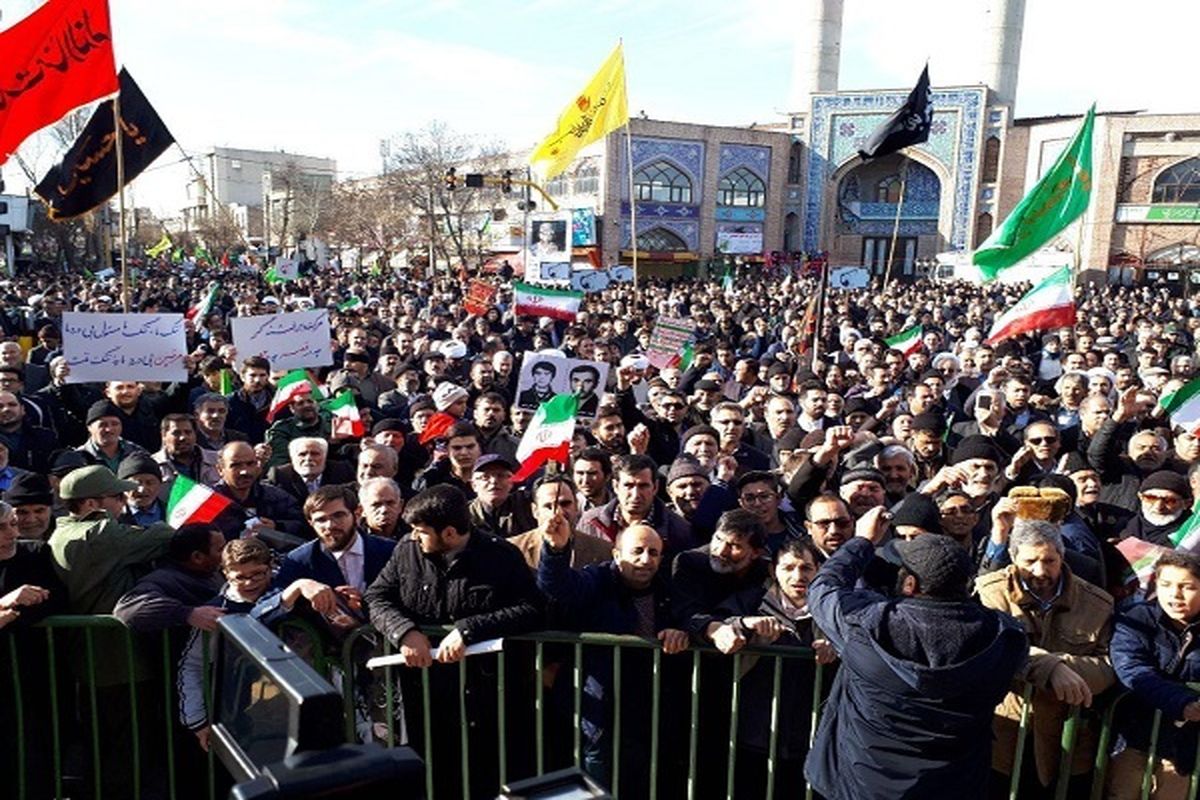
[(818, 51), (1003, 23)]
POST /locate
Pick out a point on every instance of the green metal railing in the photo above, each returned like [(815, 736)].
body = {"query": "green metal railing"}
[(76, 746)]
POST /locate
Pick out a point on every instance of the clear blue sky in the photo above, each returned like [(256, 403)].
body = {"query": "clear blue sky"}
[(333, 77)]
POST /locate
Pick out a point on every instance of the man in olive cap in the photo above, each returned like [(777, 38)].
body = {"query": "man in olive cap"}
[(96, 557)]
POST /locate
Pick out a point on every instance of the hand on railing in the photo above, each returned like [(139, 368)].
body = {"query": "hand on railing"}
[(726, 637), (673, 640), (452, 648), (1069, 687), (823, 651), (415, 649), (205, 618)]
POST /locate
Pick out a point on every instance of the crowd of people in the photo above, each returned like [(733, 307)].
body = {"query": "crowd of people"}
[(945, 528)]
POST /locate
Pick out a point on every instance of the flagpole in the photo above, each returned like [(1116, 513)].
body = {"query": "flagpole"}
[(632, 202), (820, 315), (121, 203), (887, 276)]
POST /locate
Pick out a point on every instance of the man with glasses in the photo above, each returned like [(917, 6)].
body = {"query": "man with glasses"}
[(1037, 456), (758, 492), (730, 422), (1164, 500)]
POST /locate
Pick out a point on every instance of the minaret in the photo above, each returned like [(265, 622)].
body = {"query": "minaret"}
[(818, 51), (1003, 21)]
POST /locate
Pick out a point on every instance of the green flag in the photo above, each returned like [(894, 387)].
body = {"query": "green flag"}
[(1053, 204)]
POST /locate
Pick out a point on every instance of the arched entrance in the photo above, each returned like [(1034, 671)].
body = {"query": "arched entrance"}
[(861, 213)]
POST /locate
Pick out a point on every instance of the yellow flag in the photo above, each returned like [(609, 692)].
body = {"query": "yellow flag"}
[(598, 110), (164, 244)]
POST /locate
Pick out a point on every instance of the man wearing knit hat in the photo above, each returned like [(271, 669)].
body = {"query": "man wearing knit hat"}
[(30, 494), (143, 504), (946, 662), (1164, 500), (105, 446), (450, 398)]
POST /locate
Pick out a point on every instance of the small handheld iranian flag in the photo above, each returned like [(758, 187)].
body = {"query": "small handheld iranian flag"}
[(193, 503), (354, 302), (1049, 305), (294, 384), (907, 342), (538, 301), (201, 310), (1141, 556), (1187, 537), (346, 419), (548, 437), (1183, 406)]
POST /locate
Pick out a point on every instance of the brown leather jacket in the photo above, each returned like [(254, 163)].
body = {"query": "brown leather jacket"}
[(1075, 631)]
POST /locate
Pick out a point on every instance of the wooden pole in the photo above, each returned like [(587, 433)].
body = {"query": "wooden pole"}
[(632, 204), (121, 203), (887, 276), (822, 286)]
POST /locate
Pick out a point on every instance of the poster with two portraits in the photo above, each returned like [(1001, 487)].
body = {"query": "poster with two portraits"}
[(544, 375)]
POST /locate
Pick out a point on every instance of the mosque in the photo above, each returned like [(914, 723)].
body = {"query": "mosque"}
[(706, 194)]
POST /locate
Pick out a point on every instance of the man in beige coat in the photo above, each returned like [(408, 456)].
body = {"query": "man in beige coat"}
[(552, 494), (1069, 622)]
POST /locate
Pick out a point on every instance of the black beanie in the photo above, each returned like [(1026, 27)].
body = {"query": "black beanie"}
[(919, 511), (1168, 481), (940, 564), (978, 446)]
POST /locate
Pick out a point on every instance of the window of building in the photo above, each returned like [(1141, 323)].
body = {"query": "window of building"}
[(887, 190), (662, 182), (991, 159), (587, 179), (741, 188), (1179, 184), (661, 240), (983, 228), (795, 162), (556, 186)]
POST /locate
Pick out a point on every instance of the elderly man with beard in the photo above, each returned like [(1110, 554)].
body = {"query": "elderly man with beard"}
[(1104, 520), (974, 469), (1164, 500), (1146, 453)]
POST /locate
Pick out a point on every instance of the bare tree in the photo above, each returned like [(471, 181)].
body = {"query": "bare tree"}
[(448, 221)]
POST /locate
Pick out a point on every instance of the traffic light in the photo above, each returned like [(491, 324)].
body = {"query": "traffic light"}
[(451, 180), (526, 205), (506, 181), (474, 180)]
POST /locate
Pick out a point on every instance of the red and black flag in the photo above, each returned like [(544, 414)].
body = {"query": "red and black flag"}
[(909, 124), (56, 59), (87, 176)]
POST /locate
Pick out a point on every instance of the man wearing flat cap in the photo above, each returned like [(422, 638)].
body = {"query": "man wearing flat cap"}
[(932, 663), (33, 499)]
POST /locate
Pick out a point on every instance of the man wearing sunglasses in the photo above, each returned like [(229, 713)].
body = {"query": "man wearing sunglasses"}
[(1038, 454)]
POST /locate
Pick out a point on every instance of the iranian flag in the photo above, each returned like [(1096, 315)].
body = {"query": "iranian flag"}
[(1049, 305), (1141, 557), (1187, 537), (538, 301), (294, 384), (548, 437), (201, 310), (354, 302), (1183, 406), (346, 420), (193, 503), (907, 342)]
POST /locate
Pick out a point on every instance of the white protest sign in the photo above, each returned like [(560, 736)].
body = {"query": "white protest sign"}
[(849, 278), (124, 347), (289, 341)]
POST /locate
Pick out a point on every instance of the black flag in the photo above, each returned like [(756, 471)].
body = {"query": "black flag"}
[(908, 125), (87, 176)]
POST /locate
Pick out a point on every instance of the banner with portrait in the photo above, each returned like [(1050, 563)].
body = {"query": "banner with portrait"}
[(544, 375)]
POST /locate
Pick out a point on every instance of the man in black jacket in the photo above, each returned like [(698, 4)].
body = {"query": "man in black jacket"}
[(928, 667), (446, 574)]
